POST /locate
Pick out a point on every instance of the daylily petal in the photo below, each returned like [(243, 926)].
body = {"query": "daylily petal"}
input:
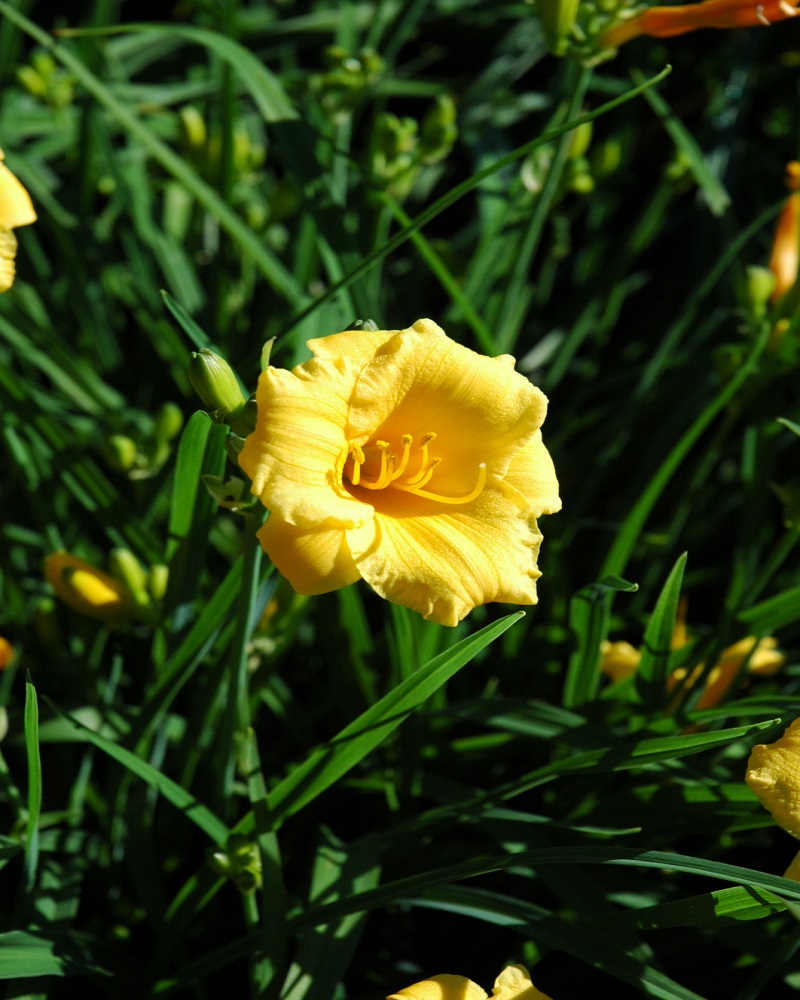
[(16, 208), (514, 983), (532, 475), (773, 773), (357, 344), (314, 561), (444, 563), (420, 381), (8, 254), (444, 987), (667, 22), (296, 454), (793, 871)]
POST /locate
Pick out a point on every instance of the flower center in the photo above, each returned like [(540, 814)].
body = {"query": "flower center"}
[(394, 472)]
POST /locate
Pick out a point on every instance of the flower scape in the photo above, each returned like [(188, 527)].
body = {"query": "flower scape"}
[(409, 461)]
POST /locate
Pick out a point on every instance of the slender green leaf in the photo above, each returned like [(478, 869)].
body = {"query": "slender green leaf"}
[(653, 669), (588, 619), (773, 613), (34, 781), (330, 762), (201, 816)]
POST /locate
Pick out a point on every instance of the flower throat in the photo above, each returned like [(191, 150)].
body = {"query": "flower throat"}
[(394, 472)]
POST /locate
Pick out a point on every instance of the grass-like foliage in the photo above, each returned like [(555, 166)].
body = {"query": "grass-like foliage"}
[(222, 788)]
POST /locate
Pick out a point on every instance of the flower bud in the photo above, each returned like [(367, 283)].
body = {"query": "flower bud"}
[(759, 286), (168, 422), (157, 580), (558, 17), (87, 590), (126, 567), (233, 494), (120, 452), (215, 383)]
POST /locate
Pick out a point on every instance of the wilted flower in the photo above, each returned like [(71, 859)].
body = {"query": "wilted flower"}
[(666, 22), (513, 983), (6, 653), (402, 458), (87, 590), (785, 255), (16, 210)]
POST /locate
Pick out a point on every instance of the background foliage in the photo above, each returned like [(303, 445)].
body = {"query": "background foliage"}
[(331, 798)]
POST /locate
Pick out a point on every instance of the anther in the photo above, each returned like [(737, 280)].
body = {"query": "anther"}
[(788, 9), (401, 468), (761, 15)]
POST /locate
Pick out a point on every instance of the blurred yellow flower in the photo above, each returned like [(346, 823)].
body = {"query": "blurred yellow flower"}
[(6, 653), (666, 22), (87, 590), (619, 660), (404, 459), (16, 210), (513, 983), (763, 660)]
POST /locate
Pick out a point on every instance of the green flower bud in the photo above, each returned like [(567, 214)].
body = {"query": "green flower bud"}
[(126, 567), (120, 452), (759, 286), (558, 17), (157, 580), (215, 383), (168, 422)]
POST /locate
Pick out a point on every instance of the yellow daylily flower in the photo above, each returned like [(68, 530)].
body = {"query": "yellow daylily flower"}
[(16, 209), (87, 590), (667, 22), (513, 983), (619, 659), (405, 459)]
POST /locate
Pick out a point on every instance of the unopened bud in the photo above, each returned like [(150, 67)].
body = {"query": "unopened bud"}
[(87, 590), (127, 568), (168, 422), (215, 383), (157, 580)]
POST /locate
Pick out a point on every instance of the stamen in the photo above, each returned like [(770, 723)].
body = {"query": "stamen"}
[(358, 457), (401, 468), (761, 15), (425, 440), (474, 493), (788, 9), (384, 477), (420, 480)]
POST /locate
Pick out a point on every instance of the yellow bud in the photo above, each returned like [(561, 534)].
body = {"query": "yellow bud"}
[(87, 590)]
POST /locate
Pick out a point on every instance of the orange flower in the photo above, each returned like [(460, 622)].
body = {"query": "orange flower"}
[(6, 653), (666, 22), (785, 256)]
